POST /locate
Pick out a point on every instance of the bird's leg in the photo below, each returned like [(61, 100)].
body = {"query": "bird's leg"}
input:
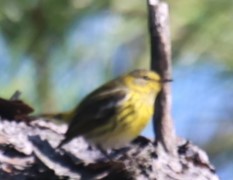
[(123, 151), (104, 152)]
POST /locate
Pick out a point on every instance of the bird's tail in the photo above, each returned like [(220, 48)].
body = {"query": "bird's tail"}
[(63, 117)]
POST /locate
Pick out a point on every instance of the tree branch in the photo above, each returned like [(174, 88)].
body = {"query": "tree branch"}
[(28, 151), (158, 16)]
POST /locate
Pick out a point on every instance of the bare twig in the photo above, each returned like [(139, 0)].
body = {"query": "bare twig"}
[(161, 63), (16, 95)]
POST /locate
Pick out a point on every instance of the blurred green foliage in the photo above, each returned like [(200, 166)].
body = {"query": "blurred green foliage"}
[(204, 28), (39, 32), (37, 29)]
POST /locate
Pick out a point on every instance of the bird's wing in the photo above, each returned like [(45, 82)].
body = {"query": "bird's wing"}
[(95, 111)]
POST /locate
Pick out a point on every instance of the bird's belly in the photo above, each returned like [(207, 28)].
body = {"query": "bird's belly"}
[(126, 131)]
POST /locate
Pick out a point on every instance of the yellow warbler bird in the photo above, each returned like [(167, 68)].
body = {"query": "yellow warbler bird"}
[(116, 113)]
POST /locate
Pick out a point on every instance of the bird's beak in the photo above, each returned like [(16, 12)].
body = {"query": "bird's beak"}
[(166, 80)]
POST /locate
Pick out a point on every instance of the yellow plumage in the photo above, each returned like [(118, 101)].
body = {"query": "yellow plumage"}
[(116, 113)]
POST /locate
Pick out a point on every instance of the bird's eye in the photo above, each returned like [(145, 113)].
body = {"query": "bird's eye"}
[(145, 77)]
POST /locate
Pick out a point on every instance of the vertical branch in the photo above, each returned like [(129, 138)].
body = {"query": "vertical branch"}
[(161, 63)]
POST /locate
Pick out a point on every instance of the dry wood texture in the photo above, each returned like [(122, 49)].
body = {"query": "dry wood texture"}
[(28, 151)]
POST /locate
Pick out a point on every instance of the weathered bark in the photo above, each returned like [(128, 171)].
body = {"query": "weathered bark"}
[(28, 151), (161, 63)]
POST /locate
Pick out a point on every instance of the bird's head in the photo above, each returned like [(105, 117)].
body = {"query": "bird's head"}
[(144, 81)]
